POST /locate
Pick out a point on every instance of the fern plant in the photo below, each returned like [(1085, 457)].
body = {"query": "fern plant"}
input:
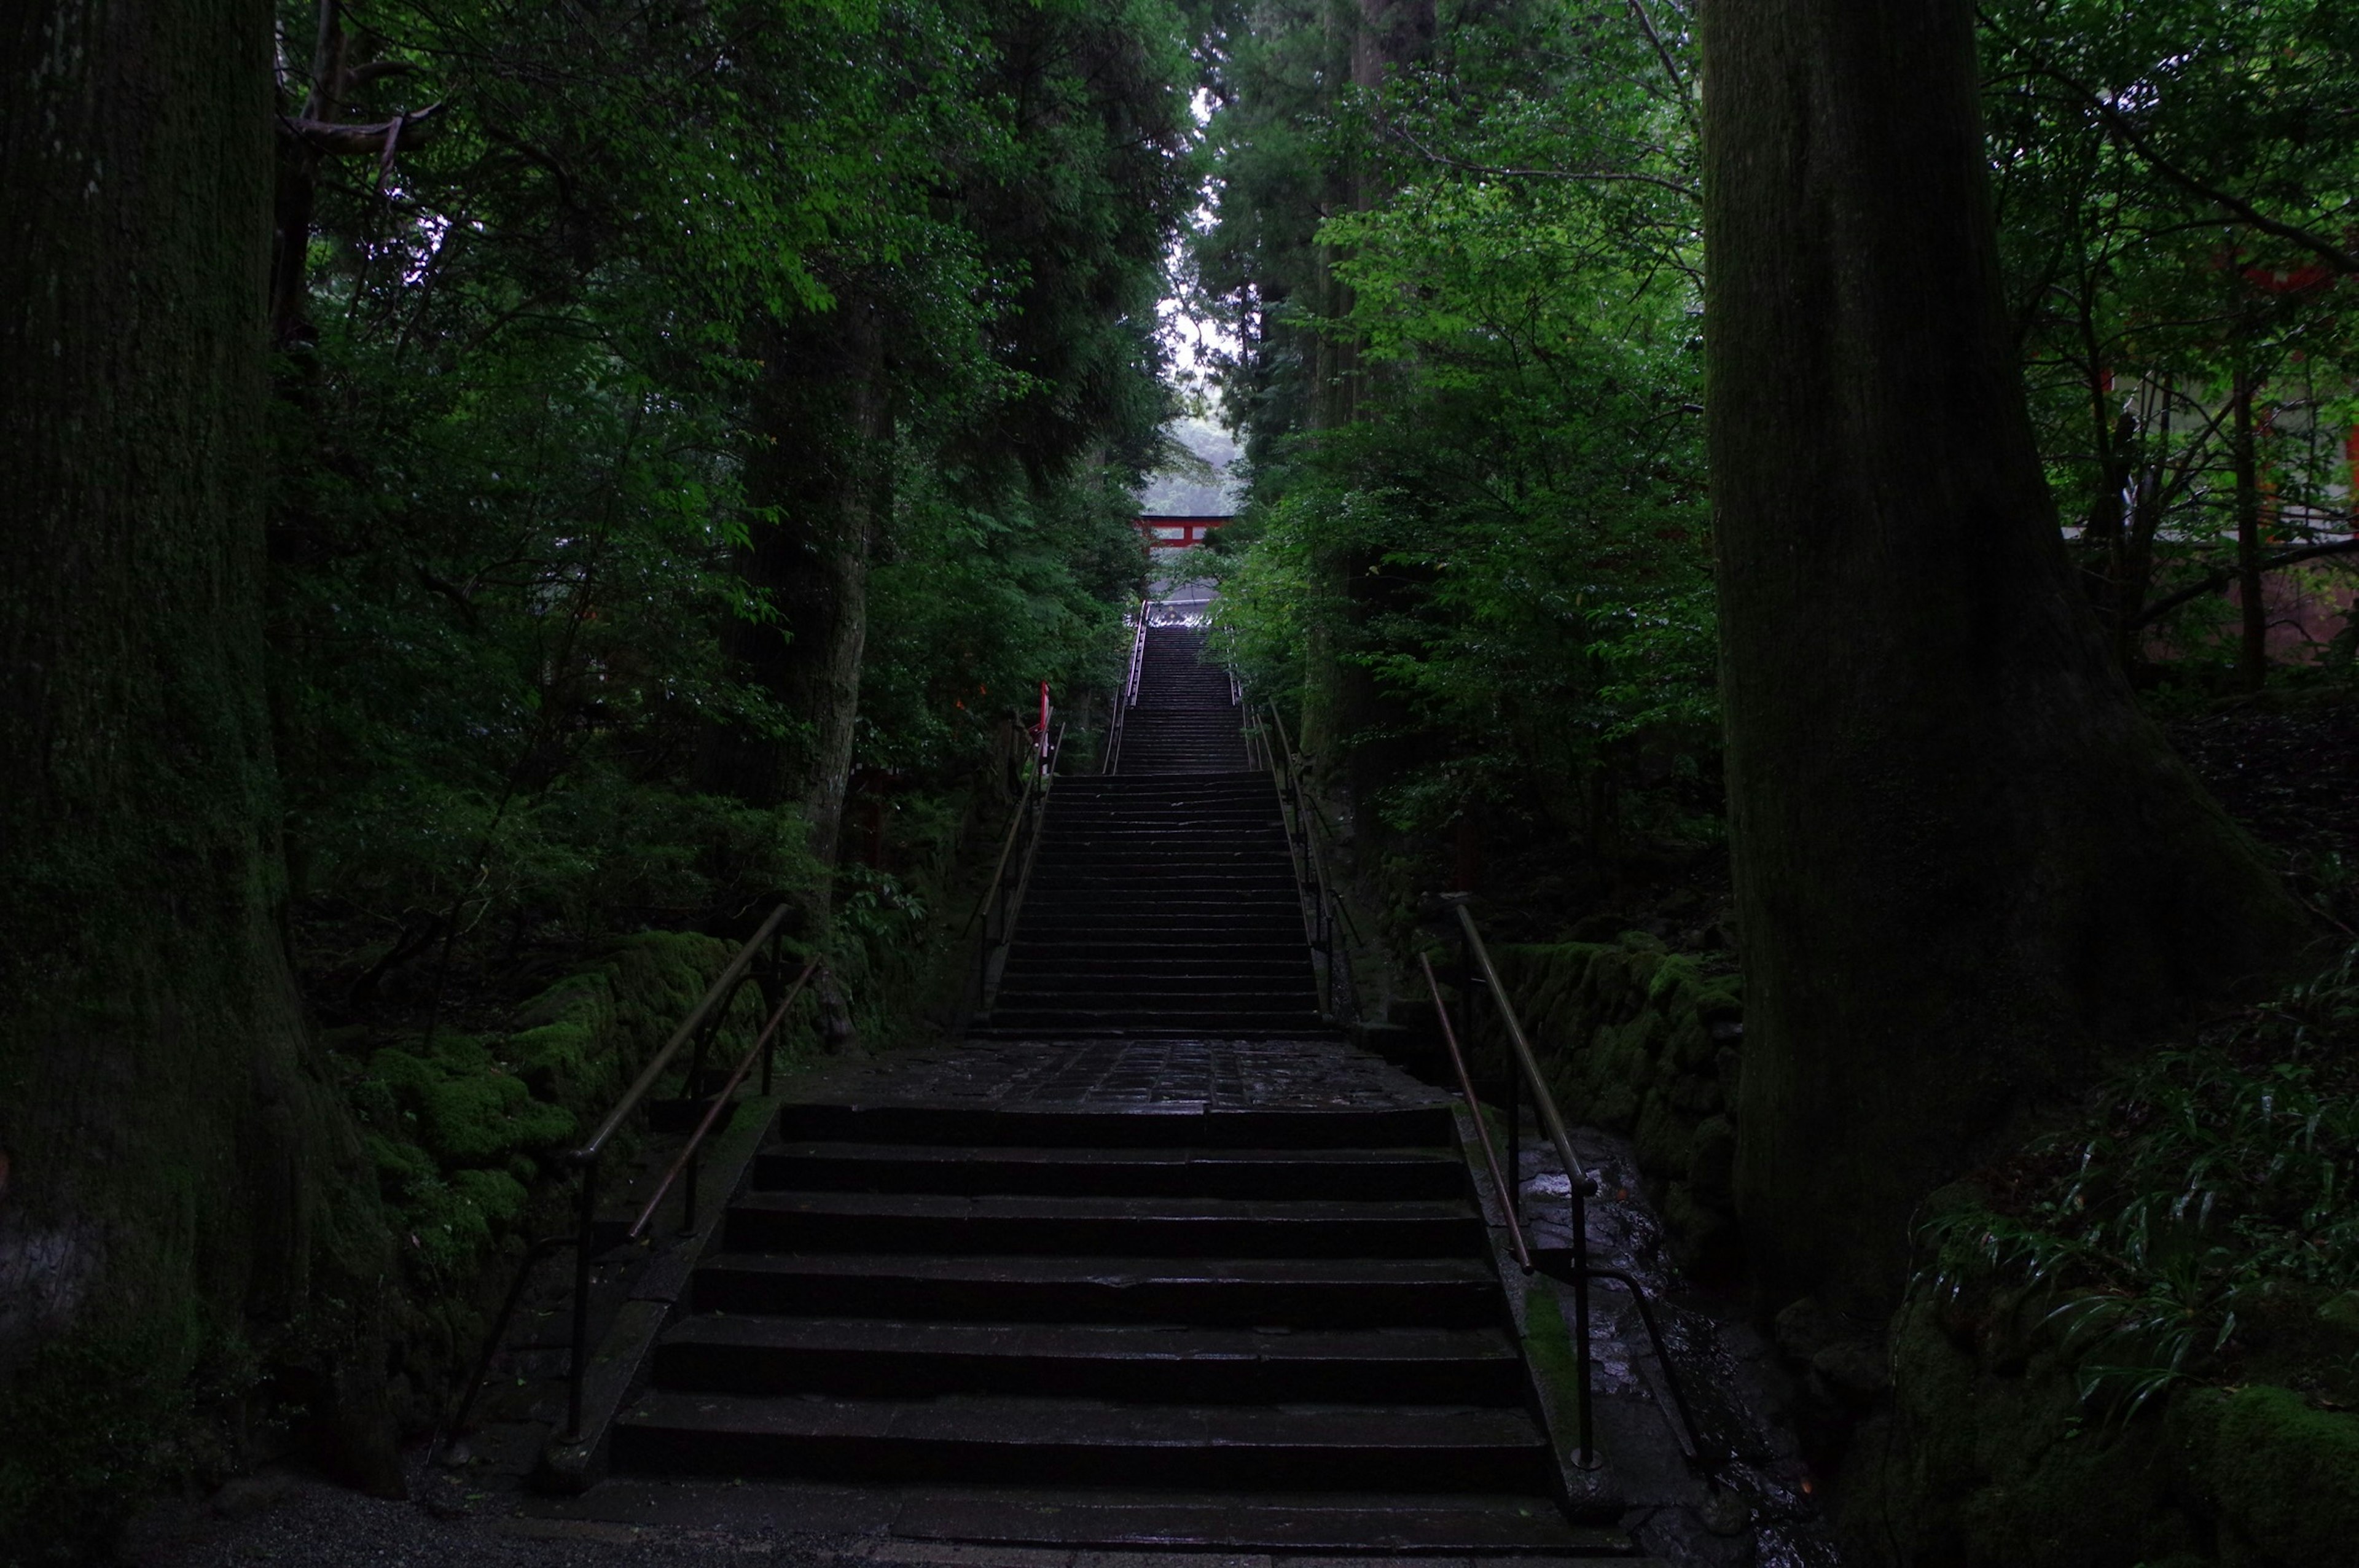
[(2202, 1181)]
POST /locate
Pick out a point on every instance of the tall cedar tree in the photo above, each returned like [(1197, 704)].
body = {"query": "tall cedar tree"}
[(168, 1160), (1964, 861)]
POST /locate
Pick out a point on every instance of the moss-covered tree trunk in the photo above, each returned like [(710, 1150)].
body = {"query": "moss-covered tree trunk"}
[(167, 1163), (1963, 859), (814, 469)]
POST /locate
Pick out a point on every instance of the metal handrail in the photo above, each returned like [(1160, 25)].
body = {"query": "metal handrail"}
[(687, 1160), (1327, 906), (723, 988), (700, 1023), (1570, 1265), (1313, 817), (999, 899), (1129, 698), (999, 867), (1482, 1128), (701, 1020)]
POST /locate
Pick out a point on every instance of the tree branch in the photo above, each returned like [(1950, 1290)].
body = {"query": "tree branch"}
[(1670, 68), (2128, 133), (2221, 579), (404, 131)]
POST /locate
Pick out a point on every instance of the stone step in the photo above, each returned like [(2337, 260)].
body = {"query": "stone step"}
[(1017, 1225), (1371, 1174), (1209, 996), (1391, 1127), (1241, 1292), (1045, 1441), (1152, 1364), (1182, 958), (1117, 1021), (1293, 985), (1529, 1531)]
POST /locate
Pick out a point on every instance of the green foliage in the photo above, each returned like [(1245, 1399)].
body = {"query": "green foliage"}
[(2172, 181), (1509, 532), (2206, 1183), (104, 1416), (459, 1128), (523, 411)]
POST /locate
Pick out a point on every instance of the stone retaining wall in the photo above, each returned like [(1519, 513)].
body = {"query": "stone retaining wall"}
[(1646, 1043)]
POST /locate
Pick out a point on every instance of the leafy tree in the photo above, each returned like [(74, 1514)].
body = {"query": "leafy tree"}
[(2171, 186), (1519, 484)]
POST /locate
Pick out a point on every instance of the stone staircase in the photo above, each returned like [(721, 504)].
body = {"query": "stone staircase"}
[(1094, 1313), (1163, 899), (1154, 1260), (1185, 721)]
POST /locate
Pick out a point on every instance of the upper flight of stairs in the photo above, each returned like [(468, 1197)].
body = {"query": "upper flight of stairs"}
[(1163, 897), (1185, 721), (1256, 1330), (1157, 904)]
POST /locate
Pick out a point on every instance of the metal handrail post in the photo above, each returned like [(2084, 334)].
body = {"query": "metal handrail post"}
[(449, 1444), (579, 1367)]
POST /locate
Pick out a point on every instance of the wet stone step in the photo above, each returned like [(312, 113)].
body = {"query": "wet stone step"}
[(1077, 1021), (1163, 1363), (1397, 1127), (953, 1224), (1374, 1175), (1206, 948), (1178, 960), (1210, 998), (1051, 1441), (1174, 976), (1241, 1292), (1271, 925), (1348, 1523), (1291, 991)]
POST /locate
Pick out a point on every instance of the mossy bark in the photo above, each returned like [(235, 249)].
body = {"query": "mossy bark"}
[(168, 1154), (815, 471), (1963, 858)]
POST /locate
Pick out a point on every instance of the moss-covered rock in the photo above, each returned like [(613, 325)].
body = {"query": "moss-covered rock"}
[(1990, 1458), (2279, 1477), (1642, 1042), (464, 1108), (459, 1129)]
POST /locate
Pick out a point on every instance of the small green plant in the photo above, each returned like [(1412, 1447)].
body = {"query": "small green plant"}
[(2205, 1182)]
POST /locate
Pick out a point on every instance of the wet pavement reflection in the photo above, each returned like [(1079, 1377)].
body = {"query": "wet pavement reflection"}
[(1757, 1511)]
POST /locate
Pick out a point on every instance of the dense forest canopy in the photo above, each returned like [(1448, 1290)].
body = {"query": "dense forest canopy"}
[(670, 309), (1501, 234)]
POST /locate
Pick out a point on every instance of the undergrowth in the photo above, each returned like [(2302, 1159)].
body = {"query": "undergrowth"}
[(2198, 1222)]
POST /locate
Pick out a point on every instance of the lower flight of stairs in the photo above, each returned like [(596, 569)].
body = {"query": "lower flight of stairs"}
[(1251, 1330)]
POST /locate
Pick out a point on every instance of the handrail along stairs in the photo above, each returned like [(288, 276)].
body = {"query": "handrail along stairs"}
[(1571, 1265), (701, 1026)]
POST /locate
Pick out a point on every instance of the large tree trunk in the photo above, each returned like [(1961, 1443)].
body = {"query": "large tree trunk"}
[(1348, 716), (166, 1159), (1963, 859), (817, 461)]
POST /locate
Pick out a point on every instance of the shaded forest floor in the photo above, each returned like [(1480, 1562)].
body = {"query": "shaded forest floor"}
[(2286, 764)]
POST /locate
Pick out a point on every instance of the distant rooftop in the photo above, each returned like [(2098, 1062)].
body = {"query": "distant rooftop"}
[(1200, 489)]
